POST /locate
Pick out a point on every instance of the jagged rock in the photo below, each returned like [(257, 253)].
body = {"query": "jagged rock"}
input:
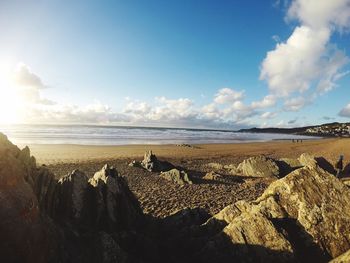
[(212, 176), (152, 164), (44, 189), (305, 215), (259, 166), (307, 159), (23, 234), (176, 176), (114, 206), (71, 197)]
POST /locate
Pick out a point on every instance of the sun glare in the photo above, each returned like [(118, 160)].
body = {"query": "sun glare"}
[(10, 100)]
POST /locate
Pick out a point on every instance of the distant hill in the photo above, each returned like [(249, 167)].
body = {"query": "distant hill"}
[(334, 129)]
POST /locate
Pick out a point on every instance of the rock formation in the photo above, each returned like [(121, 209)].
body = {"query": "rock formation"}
[(259, 166), (304, 216), (176, 176)]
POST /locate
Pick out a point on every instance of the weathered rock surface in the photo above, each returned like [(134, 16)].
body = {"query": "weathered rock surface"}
[(307, 159), (304, 216), (152, 164), (259, 166), (212, 176), (343, 258), (110, 198), (176, 176), (23, 234), (71, 198)]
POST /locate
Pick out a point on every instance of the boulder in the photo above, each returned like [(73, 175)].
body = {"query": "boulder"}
[(259, 166), (305, 216), (176, 176)]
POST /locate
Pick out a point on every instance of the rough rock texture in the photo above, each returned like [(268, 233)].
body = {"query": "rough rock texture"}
[(109, 198), (306, 159), (212, 176), (343, 258), (259, 166), (152, 164), (71, 197), (23, 235), (176, 176), (305, 216)]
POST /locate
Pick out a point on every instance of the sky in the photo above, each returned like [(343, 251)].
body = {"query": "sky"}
[(178, 63)]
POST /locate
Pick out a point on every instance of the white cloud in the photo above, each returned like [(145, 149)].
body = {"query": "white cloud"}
[(345, 112), (333, 14), (266, 102), (23, 76), (268, 115), (295, 104), (227, 95), (307, 60)]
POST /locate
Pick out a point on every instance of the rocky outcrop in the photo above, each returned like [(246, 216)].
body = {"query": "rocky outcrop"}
[(71, 198), (307, 159), (259, 166), (176, 176), (151, 163), (109, 198), (23, 233), (304, 216)]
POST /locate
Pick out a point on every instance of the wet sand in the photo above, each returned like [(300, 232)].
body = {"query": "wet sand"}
[(159, 197)]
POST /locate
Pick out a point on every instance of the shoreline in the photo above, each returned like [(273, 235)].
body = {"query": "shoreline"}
[(69, 153)]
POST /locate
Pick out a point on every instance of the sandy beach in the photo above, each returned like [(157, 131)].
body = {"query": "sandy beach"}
[(159, 197)]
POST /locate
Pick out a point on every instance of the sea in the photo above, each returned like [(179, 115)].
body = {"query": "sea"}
[(116, 135)]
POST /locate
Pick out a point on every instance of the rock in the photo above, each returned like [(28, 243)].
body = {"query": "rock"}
[(152, 164), (293, 163), (176, 176), (135, 164), (305, 216), (24, 237), (343, 258), (307, 159), (113, 205), (259, 166), (44, 189), (71, 198), (185, 145), (212, 176)]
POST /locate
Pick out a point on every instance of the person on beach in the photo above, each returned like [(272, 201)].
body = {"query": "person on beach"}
[(339, 166)]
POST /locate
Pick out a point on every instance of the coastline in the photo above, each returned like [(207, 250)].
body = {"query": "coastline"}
[(70, 153)]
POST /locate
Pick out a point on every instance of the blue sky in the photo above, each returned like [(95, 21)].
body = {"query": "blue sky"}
[(177, 63)]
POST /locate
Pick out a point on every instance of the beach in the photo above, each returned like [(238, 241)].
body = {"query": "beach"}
[(161, 198)]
